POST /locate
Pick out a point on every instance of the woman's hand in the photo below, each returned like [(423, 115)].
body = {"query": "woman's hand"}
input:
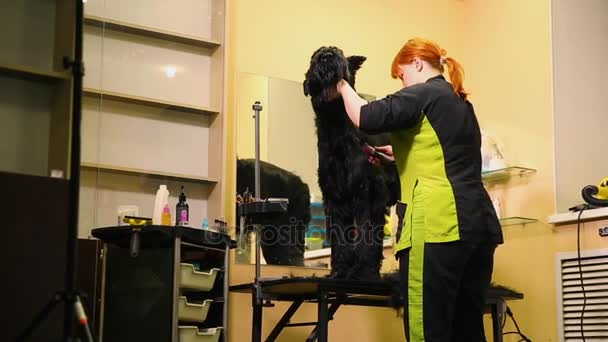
[(386, 149), (335, 93), (340, 86)]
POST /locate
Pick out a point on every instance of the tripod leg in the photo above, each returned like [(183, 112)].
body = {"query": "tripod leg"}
[(42, 315), (82, 319)]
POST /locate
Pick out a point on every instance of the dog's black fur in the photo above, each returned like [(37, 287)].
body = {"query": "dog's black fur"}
[(355, 192), (282, 236)]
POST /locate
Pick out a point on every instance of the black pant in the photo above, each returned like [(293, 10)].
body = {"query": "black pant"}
[(455, 279)]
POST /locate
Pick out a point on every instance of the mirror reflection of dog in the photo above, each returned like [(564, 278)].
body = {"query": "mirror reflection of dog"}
[(282, 236), (356, 193)]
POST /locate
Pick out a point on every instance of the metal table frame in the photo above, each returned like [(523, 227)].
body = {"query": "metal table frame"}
[(330, 295)]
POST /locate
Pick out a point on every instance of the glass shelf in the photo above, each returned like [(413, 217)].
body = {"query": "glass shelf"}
[(506, 173), (516, 220)]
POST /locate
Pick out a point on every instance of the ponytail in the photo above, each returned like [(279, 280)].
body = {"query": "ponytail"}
[(431, 52), (456, 77)]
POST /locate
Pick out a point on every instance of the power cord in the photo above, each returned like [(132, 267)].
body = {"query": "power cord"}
[(580, 267), (524, 338)]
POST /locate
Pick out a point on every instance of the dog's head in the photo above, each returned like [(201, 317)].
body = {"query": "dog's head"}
[(328, 66)]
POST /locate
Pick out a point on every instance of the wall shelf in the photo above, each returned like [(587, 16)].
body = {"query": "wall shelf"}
[(151, 173), (26, 72), (572, 217), (117, 25), (506, 173), (146, 101), (516, 220)]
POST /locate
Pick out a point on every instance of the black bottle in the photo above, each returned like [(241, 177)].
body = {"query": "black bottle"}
[(181, 210)]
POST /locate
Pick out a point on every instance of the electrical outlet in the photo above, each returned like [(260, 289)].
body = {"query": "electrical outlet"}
[(603, 231)]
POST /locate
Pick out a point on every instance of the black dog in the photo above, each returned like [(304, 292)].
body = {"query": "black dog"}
[(282, 236), (355, 192)]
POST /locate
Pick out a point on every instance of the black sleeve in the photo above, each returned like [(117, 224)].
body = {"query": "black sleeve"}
[(398, 111)]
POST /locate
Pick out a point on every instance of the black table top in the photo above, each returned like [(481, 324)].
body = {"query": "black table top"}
[(307, 288), (156, 236)]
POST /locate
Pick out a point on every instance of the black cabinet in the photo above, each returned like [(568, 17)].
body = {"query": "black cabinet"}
[(160, 283)]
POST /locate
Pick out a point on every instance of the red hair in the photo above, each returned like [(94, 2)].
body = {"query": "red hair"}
[(431, 52)]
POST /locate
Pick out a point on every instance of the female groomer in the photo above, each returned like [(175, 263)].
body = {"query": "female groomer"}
[(446, 246)]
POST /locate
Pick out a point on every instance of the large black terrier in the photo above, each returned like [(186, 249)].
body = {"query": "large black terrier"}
[(282, 236), (355, 192)]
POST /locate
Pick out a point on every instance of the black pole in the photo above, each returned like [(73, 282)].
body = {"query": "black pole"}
[(78, 73), (70, 295), (257, 108)]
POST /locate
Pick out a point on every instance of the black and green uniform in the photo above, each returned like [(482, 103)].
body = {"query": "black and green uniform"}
[(450, 228)]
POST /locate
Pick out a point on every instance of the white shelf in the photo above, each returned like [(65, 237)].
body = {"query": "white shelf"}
[(589, 214), (150, 102), (152, 173), (117, 25)]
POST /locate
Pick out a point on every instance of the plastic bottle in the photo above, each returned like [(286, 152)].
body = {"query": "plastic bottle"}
[(182, 210), (166, 216), (162, 199), (205, 224)]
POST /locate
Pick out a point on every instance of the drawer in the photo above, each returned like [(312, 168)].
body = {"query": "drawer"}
[(194, 334), (196, 280), (193, 312)]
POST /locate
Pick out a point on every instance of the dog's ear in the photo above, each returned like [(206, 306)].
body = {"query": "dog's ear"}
[(305, 86), (354, 63)]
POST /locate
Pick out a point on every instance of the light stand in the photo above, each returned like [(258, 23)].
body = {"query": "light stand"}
[(70, 295)]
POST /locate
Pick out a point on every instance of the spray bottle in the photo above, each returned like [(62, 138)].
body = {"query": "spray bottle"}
[(182, 210)]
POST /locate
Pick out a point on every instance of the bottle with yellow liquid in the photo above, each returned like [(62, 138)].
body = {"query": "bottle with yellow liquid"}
[(165, 218)]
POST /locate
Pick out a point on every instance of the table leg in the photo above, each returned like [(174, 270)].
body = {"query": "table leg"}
[(256, 324), (497, 317), (284, 320), (322, 317)]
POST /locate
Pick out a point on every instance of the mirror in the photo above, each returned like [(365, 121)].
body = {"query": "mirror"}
[(288, 149)]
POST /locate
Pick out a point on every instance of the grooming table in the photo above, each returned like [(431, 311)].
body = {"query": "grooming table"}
[(330, 294)]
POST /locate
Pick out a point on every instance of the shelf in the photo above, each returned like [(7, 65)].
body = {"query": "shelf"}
[(506, 173), (27, 72), (572, 217), (142, 172), (146, 101), (151, 32), (516, 220)]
